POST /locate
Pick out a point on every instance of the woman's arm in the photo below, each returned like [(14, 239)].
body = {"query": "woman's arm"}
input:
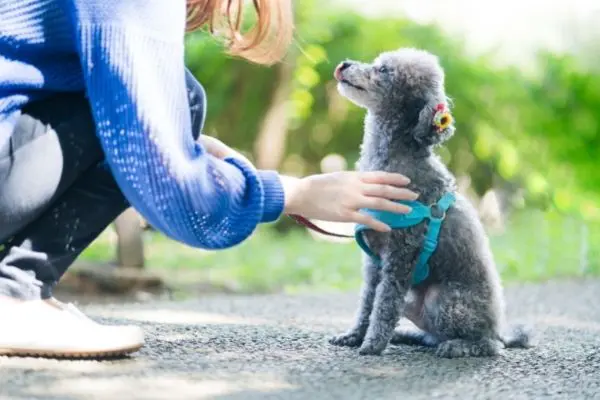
[(132, 55)]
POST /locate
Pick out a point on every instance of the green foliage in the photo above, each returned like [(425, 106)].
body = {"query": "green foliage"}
[(539, 131)]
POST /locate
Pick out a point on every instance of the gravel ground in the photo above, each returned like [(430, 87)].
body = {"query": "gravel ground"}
[(275, 347)]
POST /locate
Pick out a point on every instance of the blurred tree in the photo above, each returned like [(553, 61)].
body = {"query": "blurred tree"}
[(130, 244)]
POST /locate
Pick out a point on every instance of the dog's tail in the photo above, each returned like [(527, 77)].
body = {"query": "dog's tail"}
[(518, 336)]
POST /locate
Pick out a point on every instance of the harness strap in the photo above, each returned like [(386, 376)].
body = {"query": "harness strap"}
[(420, 212)]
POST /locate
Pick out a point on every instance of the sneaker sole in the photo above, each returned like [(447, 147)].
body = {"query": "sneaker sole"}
[(66, 354)]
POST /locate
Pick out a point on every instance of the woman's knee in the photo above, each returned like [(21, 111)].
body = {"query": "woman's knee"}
[(53, 143)]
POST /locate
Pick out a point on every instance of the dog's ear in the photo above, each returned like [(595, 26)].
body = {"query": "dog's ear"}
[(434, 124)]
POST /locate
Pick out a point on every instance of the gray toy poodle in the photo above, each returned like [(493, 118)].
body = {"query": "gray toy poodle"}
[(436, 269)]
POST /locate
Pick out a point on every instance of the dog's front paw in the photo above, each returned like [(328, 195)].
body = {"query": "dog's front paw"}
[(372, 348), (449, 349), (350, 339)]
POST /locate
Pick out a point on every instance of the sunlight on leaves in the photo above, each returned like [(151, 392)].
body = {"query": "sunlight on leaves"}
[(315, 54), (563, 200), (536, 183), (307, 77), (509, 161)]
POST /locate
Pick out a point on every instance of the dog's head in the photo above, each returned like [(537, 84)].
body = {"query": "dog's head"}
[(406, 85)]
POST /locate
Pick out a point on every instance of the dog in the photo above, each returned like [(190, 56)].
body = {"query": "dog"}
[(458, 307)]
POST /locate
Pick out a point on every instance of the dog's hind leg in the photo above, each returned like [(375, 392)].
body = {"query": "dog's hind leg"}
[(354, 337), (465, 319)]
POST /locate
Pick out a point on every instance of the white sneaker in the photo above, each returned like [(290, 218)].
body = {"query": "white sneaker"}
[(54, 329)]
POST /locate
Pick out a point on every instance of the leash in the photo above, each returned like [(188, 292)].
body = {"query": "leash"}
[(303, 221)]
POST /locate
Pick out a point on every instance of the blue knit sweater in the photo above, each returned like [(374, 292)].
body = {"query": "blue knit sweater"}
[(128, 55)]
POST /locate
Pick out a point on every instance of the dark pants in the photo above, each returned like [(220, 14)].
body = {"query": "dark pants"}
[(56, 192)]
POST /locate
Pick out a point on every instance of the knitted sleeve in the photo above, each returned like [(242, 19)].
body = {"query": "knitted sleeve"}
[(132, 56)]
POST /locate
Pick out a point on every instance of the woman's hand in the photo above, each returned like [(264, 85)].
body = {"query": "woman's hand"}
[(336, 196), (219, 149), (339, 196)]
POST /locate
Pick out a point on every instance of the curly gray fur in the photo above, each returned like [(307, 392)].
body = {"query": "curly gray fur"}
[(459, 309)]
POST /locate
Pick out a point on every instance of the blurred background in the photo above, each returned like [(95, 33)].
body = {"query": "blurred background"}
[(524, 77)]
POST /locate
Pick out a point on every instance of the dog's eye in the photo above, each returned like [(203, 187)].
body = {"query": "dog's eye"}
[(382, 70)]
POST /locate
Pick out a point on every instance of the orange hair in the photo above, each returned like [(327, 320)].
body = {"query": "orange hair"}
[(265, 43)]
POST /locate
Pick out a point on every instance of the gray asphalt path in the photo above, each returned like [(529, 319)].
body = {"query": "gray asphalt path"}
[(275, 347)]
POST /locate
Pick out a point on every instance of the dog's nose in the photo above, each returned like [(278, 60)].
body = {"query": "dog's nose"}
[(342, 66)]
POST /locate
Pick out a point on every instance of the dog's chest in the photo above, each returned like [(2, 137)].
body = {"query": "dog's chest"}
[(400, 246)]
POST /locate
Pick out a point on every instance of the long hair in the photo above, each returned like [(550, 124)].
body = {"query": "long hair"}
[(264, 43)]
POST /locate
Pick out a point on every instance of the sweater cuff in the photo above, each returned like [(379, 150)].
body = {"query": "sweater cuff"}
[(274, 197)]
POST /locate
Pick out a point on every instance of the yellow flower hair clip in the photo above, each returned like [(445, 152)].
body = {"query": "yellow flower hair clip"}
[(442, 118)]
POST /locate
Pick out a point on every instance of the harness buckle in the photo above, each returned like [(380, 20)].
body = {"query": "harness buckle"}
[(437, 212)]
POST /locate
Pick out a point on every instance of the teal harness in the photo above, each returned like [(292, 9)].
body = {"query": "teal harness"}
[(420, 212)]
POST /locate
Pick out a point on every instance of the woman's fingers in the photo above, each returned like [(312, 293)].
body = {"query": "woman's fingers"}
[(384, 178), (214, 146), (376, 203), (389, 192), (340, 197), (369, 221)]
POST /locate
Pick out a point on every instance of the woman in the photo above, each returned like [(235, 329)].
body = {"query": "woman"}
[(95, 117)]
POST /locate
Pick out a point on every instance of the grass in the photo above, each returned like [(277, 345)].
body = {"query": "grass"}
[(535, 246)]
